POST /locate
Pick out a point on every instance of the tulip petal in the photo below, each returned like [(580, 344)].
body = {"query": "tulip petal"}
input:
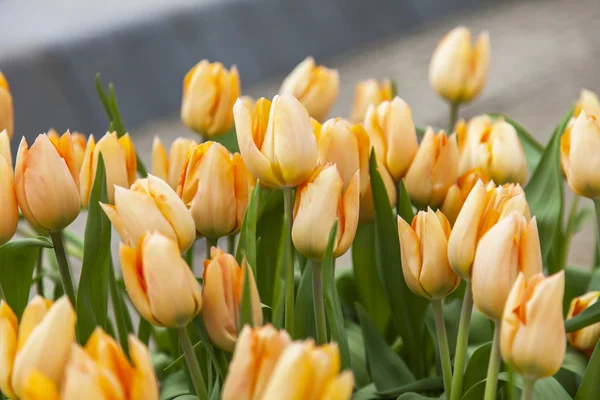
[(8, 203), (5, 148), (39, 387), (401, 139), (418, 180), (116, 162), (134, 282), (160, 164), (144, 385), (445, 169), (508, 162), (34, 313), (294, 362), (584, 173), (86, 177), (199, 93), (351, 204), (530, 251), (411, 257), (117, 222), (450, 64), (177, 159), (244, 183), (339, 144), (8, 347), (340, 388)]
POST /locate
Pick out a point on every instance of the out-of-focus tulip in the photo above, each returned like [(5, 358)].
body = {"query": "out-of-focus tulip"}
[(5, 148), (433, 170), (316, 86), (119, 160), (169, 168), (457, 194), (150, 205), (6, 107), (209, 91), (458, 70), (319, 202), (215, 185), (222, 296), (160, 284), (79, 145), (40, 342), (532, 334), (424, 246), (369, 92), (8, 197), (494, 147), (510, 247), (588, 101), (584, 339), (46, 182), (392, 134), (276, 140), (367, 208)]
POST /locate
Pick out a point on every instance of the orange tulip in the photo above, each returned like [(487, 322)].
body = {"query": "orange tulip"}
[(367, 93), (588, 101), (169, 168), (6, 107), (8, 197), (457, 194), (584, 339)]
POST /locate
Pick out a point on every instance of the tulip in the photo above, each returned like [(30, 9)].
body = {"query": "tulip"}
[(215, 185), (367, 209), (40, 342), (457, 194), (433, 170), (5, 149), (222, 297), (46, 183), (169, 168), (458, 70), (160, 284), (6, 107), (532, 334), (319, 202), (256, 354), (276, 140), (8, 197), (209, 91), (369, 92), (119, 161), (316, 86), (584, 339), (588, 101), (392, 134), (150, 205), (79, 145)]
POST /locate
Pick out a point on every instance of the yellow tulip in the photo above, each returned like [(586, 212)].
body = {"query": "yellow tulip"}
[(321, 201), (433, 170), (119, 161), (367, 210), (150, 205), (8, 197), (510, 247), (79, 145), (209, 91), (588, 101), (276, 140), (169, 168), (584, 339), (46, 183), (316, 86), (458, 70), (40, 342), (457, 194), (215, 185), (160, 284), (369, 92), (222, 295), (532, 334), (6, 107)]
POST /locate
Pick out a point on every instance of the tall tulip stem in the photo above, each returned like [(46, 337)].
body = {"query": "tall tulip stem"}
[(39, 270), (440, 328), (63, 267), (494, 365), (192, 363), (462, 342), (527, 393), (288, 260), (453, 116), (317, 286)]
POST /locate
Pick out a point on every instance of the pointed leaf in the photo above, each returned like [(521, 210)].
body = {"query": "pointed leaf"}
[(590, 384), (305, 312), (404, 206), (247, 241)]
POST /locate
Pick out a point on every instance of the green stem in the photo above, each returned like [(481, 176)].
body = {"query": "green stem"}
[(494, 365), (192, 363), (231, 243), (528, 385), (597, 206), (39, 270), (63, 267), (453, 117), (210, 243), (511, 382), (288, 258), (319, 305), (440, 328), (462, 342)]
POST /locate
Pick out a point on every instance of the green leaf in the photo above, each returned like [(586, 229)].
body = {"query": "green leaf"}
[(346, 287), (576, 284), (590, 384), (358, 357), (545, 389), (122, 317), (17, 263), (247, 242), (584, 215), (404, 206), (245, 317), (203, 334), (424, 385), (575, 362), (174, 385), (394, 86), (229, 140), (413, 396), (305, 312), (594, 281), (589, 316), (533, 148), (366, 393), (476, 370)]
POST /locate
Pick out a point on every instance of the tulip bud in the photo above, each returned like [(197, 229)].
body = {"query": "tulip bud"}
[(79, 145), (46, 183), (160, 284), (150, 205), (209, 91), (169, 168), (319, 203), (119, 161), (392, 134), (584, 339), (256, 354), (458, 70), (588, 102), (316, 86), (276, 140), (367, 208), (433, 170), (5, 149), (222, 296), (6, 107), (457, 194), (215, 185), (8, 197), (369, 92), (532, 334)]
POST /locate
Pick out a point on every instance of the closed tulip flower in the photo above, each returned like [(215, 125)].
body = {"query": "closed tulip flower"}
[(316, 86), (79, 145), (458, 70), (367, 209), (215, 185), (276, 140), (46, 183), (369, 92), (588, 101), (584, 339), (6, 107), (8, 197), (457, 194), (222, 296), (160, 284), (392, 134), (150, 205), (5, 148), (209, 92), (169, 168), (532, 334), (433, 171)]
